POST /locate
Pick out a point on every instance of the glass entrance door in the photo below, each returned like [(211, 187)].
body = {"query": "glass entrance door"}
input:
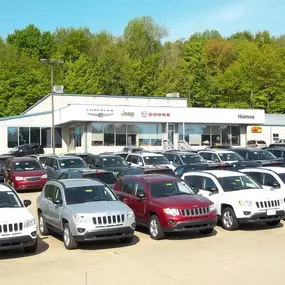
[(171, 133), (71, 145)]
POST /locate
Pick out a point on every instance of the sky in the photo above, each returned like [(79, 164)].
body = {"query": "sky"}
[(181, 17)]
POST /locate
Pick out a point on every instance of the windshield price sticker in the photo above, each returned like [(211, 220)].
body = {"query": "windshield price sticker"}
[(88, 190)]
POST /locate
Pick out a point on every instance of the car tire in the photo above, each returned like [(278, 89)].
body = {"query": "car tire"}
[(155, 229), (229, 220), (44, 231), (32, 248), (273, 223), (68, 238), (206, 231), (126, 239)]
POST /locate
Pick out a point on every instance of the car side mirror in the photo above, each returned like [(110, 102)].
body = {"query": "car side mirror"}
[(214, 191), (140, 163), (275, 185), (120, 196), (27, 203), (57, 202), (141, 196)]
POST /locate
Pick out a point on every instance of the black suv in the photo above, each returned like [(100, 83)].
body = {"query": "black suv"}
[(109, 162), (277, 151), (27, 149)]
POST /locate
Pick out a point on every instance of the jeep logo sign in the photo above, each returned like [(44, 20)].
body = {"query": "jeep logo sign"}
[(251, 117)]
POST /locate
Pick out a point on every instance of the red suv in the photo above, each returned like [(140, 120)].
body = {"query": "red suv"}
[(24, 173), (166, 204)]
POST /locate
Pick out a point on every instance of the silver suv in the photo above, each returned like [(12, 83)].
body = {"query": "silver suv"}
[(83, 210)]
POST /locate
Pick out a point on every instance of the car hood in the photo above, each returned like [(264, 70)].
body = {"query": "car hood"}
[(116, 169), (168, 165), (182, 201), (9, 215), (99, 207), (255, 194), (30, 173)]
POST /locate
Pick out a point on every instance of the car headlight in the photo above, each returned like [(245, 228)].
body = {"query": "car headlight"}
[(130, 215), (44, 176), (19, 178), (171, 212), (245, 203), (78, 219), (29, 223), (212, 208)]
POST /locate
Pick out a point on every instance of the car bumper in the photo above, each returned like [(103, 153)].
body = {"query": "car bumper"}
[(262, 217), (17, 242), (105, 234), (29, 185), (187, 226)]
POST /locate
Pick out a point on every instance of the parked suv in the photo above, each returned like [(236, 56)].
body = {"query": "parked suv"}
[(58, 164), (83, 210), (166, 204), (277, 151), (24, 173), (256, 143), (148, 159), (105, 176), (237, 197), (27, 149), (17, 225), (182, 158)]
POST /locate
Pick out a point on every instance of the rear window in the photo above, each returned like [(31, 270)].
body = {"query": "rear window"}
[(72, 163), (27, 165), (261, 142), (107, 178)]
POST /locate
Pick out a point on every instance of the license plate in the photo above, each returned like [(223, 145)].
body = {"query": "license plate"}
[(271, 212)]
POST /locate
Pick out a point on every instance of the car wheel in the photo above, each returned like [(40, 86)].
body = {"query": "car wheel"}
[(229, 220), (42, 225), (206, 231), (32, 248), (273, 223), (68, 238), (126, 239), (155, 230)]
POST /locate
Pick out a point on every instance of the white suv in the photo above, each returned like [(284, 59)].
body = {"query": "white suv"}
[(17, 225), (237, 197), (148, 159), (271, 177)]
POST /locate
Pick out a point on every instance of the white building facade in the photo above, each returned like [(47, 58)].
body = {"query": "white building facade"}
[(99, 123)]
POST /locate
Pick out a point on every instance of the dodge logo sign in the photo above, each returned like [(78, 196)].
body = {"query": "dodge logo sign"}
[(144, 113)]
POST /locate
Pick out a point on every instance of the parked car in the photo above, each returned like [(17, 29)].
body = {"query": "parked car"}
[(182, 158), (41, 158), (237, 197), (277, 151), (271, 177), (17, 224), (26, 149), (148, 159), (83, 210), (277, 144), (58, 164), (149, 170), (24, 173), (166, 204), (3, 159), (105, 176), (180, 170), (256, 143), (264, 157), (83, 155), (130, 149), (108, 162)]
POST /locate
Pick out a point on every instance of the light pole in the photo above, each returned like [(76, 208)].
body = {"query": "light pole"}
[(51, 63)]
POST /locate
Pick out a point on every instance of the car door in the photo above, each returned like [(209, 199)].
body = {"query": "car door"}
[(48, 164), (215, 158), (46, 205), (271, 181), (55, 207), (211, 191), (207, 156), (257, 176), (138, 204), (127, 192)]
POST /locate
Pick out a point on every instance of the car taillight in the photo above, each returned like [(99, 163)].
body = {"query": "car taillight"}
[(274, 162), (256, 145)]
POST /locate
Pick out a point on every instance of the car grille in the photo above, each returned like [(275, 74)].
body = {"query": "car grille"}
[(11, 228), (109, 220), (195, 212), (37, 178), (268, 204)]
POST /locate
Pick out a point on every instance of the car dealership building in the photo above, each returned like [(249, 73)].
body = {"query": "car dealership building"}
[(99, 123)]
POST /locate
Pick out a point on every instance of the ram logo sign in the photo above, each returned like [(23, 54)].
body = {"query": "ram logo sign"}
[(256, 129)]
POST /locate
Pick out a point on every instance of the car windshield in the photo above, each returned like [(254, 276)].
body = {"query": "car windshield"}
[(9, 199), (169, 188), (87, 194), (263, 155), (108, 178), (114, 161), (156, 159), (28, 165), (229, 156), (42, 159), (72, 163), (236, 183), (192, 158)]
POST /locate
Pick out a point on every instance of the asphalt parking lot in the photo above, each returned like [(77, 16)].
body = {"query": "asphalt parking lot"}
[(253, 254)]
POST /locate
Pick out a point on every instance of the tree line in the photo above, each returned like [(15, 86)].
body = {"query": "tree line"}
[(244, 70)]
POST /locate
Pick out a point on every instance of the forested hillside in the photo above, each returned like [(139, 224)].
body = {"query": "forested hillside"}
[(245, 70)]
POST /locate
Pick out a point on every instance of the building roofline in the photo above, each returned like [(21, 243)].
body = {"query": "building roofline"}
[(24, 116)]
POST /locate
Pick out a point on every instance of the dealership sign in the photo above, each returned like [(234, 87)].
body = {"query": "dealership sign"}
[(100, 112), (240, 116), (127, 114), (256, 129), (154, 114)]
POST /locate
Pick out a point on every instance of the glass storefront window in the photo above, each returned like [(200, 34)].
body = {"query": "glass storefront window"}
[(12, 137), (155, 131), (58, 137), (132, 131), (226, 135), (97, 134), (35, 135), (109, 134), (121, 130), (46, 137), (216, 136), (180, 132), (235, 134), (24, 134), (143, 134)]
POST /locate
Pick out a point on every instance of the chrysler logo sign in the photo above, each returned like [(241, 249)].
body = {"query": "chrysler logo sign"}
[(100, 112), (240, 116)]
